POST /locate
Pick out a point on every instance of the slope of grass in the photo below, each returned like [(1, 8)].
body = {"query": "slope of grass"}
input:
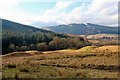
[(111, 48)]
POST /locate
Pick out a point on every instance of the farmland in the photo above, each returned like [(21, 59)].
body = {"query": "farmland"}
[(87, 62)]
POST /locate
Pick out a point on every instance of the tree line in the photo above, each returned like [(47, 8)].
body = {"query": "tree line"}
[(56, 44), (21, 41)]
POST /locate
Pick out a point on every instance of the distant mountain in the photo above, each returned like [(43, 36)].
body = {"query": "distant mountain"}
[(83, 29), (43, 24)]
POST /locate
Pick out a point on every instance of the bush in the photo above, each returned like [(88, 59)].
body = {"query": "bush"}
[(24, 48), (58, 43), (42, 46), (12, 47), (76, 43), (63, 43), (32, 46)]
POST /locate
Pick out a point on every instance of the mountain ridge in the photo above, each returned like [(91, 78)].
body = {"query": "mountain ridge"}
[(83, 28)]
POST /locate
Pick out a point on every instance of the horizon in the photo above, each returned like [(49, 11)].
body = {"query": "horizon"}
[(55, 25), (43, 13)]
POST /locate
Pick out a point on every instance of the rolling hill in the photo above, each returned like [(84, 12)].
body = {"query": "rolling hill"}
[(83, 29)]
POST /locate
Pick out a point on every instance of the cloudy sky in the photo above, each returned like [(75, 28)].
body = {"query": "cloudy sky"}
[(54, 12)]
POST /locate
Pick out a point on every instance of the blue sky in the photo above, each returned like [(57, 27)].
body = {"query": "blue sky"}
[(40, 7), (46, 13), (36, 7)]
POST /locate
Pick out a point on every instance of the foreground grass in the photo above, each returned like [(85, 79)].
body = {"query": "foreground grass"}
[(88, 62), (54, 72)]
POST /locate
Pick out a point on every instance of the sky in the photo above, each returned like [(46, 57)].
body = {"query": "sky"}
[(41, 13)]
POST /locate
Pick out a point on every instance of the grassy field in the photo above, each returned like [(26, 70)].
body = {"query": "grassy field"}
[(87, 62)]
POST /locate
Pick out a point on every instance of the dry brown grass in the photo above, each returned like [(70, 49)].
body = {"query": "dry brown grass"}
[(92, 61), (23, 53), (87, 49), (108, 49)]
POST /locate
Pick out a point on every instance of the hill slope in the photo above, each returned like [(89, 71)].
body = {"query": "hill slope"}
[(23, 35), (19, 28), (83, 29)]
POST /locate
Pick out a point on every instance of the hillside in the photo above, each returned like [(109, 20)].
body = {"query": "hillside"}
[(20, 28), (19, 35), (83, 29)]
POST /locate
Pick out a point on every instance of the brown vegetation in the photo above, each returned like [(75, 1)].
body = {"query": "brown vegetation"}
[(88, 62)]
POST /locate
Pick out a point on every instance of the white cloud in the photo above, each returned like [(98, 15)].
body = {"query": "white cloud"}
[(63, 4), (50, 15), (104, 12), (9, 9), (98, 11), (9, 2)]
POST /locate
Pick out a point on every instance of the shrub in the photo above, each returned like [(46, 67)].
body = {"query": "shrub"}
[(76, 43), (58, 43), (42, 46), (12, 47), (24, 48), (32, 46)]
